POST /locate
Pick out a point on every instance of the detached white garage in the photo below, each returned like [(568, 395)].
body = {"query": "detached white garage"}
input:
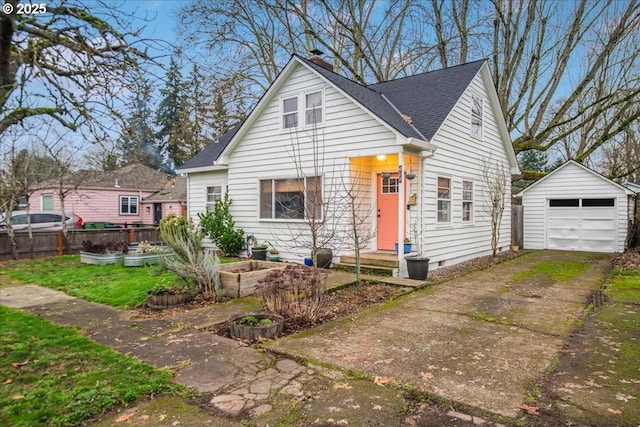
[(575, 208)]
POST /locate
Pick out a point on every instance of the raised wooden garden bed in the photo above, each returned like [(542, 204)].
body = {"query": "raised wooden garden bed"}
[(239, 279)]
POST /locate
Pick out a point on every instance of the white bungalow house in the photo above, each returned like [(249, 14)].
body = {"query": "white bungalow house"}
[(417, 147)]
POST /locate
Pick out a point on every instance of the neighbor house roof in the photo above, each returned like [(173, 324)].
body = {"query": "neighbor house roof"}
[(414, 107), (632, 186), (175, 190), (133, 176)]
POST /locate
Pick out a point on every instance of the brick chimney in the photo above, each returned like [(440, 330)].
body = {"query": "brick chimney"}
[(316, 58)]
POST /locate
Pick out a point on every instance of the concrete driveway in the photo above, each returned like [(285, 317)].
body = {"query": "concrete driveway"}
[(482, 340)]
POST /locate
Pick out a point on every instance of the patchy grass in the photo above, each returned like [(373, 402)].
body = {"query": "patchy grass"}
[(560, 271), (114, 285), (53, 376), (624, 286)]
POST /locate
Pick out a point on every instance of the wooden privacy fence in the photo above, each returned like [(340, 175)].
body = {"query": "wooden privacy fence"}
[(51, 243)]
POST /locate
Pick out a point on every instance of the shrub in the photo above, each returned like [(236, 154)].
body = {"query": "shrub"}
[(219, 226), (189, 261), (296, 293)]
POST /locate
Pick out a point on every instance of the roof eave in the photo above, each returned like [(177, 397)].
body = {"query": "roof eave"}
[(200, 169)]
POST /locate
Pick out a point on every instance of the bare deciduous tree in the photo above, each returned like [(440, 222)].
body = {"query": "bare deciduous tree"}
[(494, 179)]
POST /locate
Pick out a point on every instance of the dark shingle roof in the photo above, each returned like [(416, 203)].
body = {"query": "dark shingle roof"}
[(428, 98), (211, 152)]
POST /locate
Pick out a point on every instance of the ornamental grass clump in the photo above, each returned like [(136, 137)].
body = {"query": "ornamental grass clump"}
[(189, 260), (297, 293)]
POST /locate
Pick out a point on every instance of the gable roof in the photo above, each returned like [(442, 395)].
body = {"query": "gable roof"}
[(427, 99), (632, 186), (211, 152), (134, 176), (581, 166)]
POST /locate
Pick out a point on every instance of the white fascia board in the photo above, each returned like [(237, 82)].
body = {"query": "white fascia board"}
[(200, 169)]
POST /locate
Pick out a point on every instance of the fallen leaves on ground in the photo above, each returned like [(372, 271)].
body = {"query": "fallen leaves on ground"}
[(531, 410), (382, 381), (123, 418), (426, 375), (342, 386), (18, 364)]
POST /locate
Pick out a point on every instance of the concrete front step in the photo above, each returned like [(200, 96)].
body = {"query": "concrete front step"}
[(375, 270), (372, 259)]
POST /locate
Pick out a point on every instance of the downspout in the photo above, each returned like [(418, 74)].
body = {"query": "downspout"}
[(423, 156), (402, 203)]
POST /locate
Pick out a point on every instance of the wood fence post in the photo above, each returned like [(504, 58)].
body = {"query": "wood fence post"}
[(60, 244), (132, 235)]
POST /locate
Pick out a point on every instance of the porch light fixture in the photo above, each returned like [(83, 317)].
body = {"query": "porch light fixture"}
[(386, 175), (381, 157), (410, 176)]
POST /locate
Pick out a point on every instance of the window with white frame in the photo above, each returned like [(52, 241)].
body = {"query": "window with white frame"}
[(214, 193), (477, 107), (293, 198), (307, 104), (128, 205), (47, 202), (290, 113), (467, 201), (444, 200), (313, 108)]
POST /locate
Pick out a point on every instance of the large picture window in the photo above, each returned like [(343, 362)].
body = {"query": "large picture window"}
[(467, 201), (294, 198), (477, 107), (128, 205), (444, 200)]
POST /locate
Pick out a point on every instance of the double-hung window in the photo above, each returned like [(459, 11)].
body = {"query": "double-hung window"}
[(444, 200), (290, 113), (128, 205), (47, 202), (477, 107), (309, 105), (293, 198), (214, 193), (467, 201)]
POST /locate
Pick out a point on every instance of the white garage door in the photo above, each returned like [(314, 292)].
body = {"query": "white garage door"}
[(582, 224)]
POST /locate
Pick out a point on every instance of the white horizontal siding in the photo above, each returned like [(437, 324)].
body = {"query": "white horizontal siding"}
[(197, 184), (460, 157), (265, 151), (569, 182)]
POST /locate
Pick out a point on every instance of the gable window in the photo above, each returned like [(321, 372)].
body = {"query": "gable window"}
[(313, 108), (290, 113), (128, 205), (294, 198), (214, 193), (477, 107), (467, 201), (47, 202), (444, 200)]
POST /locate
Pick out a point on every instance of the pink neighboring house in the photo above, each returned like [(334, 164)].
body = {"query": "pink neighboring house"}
[(134, 194)]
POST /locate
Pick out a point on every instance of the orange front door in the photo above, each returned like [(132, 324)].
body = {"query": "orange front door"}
[(388, 211)]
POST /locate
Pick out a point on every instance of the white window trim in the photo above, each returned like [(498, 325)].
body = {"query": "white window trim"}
[(283, 220), (129, 213), (302, 109), (482, 116), (450, 178), (223, 190), (473, 202)]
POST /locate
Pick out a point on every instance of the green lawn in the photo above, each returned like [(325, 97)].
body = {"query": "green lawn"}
[(624, 286), (53, 376), (114, 285)]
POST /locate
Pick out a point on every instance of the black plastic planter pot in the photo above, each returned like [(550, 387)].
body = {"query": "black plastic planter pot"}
[(324, 257), (417, 267), (259, 254)]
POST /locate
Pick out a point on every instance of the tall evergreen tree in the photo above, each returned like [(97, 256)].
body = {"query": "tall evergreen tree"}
[(172, 117), (138, 140)]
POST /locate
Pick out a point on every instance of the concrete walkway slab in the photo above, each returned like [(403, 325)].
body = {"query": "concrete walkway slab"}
[(469, 340)]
